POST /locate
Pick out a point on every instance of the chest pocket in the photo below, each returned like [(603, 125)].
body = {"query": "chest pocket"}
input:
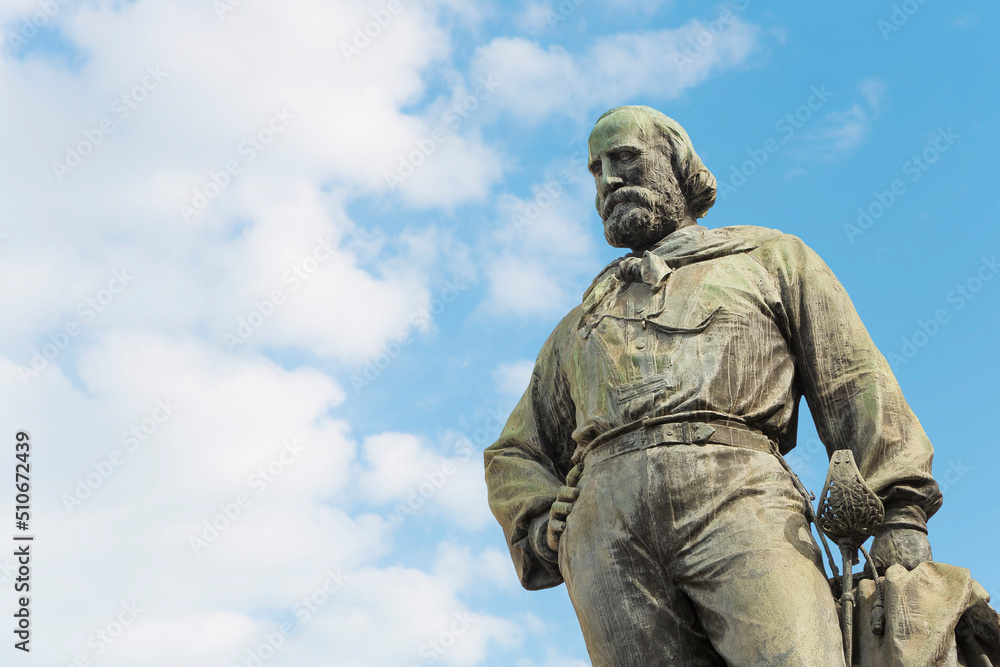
[(656, 370), (656, 321)]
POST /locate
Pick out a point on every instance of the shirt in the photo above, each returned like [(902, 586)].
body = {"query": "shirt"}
[(733, 324)]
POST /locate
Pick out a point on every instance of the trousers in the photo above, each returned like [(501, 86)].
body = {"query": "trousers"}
[(692, 555)]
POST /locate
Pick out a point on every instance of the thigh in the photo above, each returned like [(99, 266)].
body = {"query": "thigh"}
[(754, 574), (770, 608), (630, 611)]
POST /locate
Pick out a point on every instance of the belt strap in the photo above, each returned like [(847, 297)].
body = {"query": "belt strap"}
[(679, 433)]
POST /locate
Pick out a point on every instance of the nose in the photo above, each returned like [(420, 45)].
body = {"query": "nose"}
[(609, 180)]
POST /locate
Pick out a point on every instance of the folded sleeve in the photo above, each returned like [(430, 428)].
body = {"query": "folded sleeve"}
[(854, 397), (528, 463)]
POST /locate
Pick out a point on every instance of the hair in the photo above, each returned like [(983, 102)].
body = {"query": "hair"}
[(696, 182)]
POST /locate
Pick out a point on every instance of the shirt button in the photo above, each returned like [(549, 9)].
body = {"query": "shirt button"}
[(639, 346)]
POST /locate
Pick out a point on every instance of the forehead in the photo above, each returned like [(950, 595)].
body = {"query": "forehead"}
[(623, 128)]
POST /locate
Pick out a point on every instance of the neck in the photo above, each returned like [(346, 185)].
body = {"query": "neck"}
[(687, 221)]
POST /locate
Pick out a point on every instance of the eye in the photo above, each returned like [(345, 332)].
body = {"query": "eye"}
[(595, 167), (627, 156)]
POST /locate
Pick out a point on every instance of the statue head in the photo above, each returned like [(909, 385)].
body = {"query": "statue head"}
[(650, 182)]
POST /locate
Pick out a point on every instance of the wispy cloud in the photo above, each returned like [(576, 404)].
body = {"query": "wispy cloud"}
[(840, 133), (542, 82)]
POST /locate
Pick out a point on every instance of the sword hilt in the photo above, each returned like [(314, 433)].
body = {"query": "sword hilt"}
[(849, 513)]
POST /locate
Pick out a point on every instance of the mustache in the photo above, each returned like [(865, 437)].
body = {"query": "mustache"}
[(630, 193)]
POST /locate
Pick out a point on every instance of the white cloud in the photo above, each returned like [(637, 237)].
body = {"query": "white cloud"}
[(427, 623), (217, 513), (554, 661), (221, 82), (227, 437), (540, 82), (524, 287), (873, 89), (552, 15), (218, 489), (839, 133), (536, 17), (542, 257), (512, 378), (397, 463), (405, 476)]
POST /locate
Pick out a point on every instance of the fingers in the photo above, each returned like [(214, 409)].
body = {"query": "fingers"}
[(560, 511), (574, 475), (555, 532), (564, 502), (561, 508), (567, 494)]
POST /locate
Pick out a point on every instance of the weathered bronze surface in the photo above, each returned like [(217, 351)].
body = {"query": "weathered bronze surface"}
[(643, 465)]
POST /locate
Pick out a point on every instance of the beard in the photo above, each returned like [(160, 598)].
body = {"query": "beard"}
[(637, 217)]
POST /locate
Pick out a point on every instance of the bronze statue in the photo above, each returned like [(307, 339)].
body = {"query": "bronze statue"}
[(643, 464)]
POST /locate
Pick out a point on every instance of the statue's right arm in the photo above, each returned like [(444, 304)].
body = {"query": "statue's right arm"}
[(853, 396), (527, 465)]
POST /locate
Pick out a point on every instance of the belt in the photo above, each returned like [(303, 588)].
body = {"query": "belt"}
[(650, 434)]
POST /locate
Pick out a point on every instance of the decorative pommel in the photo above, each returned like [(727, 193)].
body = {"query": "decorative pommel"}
[(849, 511)]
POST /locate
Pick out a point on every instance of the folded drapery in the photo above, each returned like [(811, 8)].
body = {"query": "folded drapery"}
[(936, 615)]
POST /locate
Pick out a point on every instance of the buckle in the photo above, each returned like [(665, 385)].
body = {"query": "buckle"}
[(700, 432)]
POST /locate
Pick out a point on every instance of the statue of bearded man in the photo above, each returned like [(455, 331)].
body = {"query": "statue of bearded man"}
[(643, 465)]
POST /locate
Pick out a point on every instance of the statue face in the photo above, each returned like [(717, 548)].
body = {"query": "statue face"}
[(638, 196)]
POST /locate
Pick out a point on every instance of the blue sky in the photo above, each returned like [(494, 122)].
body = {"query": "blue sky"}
[(256, 239)]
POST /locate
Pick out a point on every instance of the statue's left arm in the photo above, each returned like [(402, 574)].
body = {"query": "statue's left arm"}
[(528, 464), (854, 397)]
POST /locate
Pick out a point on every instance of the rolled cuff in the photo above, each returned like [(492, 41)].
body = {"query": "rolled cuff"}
[(538, 539), (534, 571), (905, 516), (911, 503)]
